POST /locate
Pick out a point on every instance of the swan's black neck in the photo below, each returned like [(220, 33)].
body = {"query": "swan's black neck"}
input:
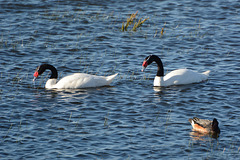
[(43, 67), (160, 71)]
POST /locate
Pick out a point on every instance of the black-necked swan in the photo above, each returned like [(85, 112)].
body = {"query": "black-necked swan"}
[(76, 80), (176, 77)]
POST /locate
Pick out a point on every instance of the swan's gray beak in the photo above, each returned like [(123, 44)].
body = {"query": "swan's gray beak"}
[(34, 79), (143, 68)]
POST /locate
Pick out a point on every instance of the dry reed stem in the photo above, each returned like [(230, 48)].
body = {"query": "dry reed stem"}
[(130, 21), (136, 25)]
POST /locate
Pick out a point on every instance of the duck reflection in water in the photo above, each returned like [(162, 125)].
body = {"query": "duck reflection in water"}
[(195, 135)]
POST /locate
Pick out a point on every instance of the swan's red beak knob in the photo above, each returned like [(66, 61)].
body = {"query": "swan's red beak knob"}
[(144, 65), (35, 76)]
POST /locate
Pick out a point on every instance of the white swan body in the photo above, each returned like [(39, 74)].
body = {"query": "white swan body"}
[(180, 77), (176, 77), (80, 80), (73, 81)]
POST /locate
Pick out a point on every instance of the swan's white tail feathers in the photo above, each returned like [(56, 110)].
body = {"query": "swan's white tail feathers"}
[(207, 72), (111, 78)]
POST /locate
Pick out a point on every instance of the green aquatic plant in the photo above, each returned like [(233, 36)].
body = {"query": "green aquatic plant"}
[(106, 121), (168, 117), (7, 132)]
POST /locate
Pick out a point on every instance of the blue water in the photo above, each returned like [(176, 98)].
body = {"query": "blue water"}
[(130, 119)]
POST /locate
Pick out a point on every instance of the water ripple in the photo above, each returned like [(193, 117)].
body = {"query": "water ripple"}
[(130, 119)]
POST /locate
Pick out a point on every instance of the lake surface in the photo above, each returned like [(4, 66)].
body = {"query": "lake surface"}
[(130, 119)]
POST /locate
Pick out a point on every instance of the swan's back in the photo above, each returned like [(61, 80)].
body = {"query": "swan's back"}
[(185, 76), (83, 80)]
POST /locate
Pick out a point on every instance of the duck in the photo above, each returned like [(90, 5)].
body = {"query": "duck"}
[(204, 125), (73, 81), (176, 77)]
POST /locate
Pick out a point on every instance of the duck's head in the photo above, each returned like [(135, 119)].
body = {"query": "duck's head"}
[(215, 127)]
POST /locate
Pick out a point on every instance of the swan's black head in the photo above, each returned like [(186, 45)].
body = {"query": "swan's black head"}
[(215, 127), (147, 61), (40, 69)]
